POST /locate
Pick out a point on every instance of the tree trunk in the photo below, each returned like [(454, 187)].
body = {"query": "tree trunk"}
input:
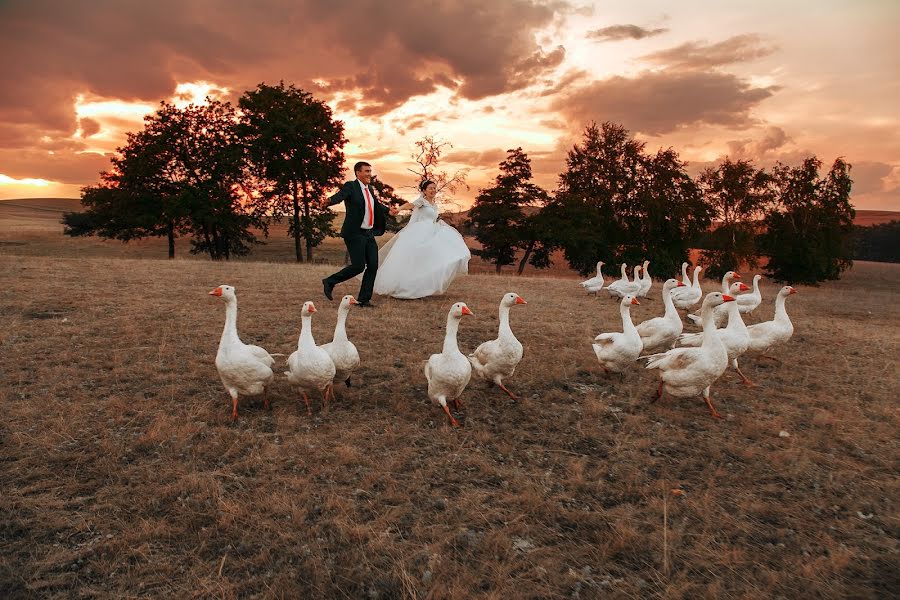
[(297, 249), (528, 249), (498, 266), (215, 250), (309, 246), (209, 243), (171, 234)]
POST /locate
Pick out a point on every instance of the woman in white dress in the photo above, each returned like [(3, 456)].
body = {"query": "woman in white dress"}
[(424, 257)]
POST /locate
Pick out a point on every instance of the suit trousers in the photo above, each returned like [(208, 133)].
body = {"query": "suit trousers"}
[(363, 251)]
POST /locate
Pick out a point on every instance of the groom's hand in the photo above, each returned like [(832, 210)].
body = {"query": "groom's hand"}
[(323, 203), (393, 210)]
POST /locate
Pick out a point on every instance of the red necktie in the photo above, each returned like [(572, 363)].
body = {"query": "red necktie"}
[(369, 203)]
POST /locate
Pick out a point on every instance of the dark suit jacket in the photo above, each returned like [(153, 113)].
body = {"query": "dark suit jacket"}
[(355, 204)]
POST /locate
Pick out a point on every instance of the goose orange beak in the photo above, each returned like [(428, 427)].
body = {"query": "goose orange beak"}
[(312, 308), (634, 301), (680, 284), (216, 292), (727, 298), (737, 276), (744, 287), (793, 291), (353, 300), (520, 300), (466, 311)]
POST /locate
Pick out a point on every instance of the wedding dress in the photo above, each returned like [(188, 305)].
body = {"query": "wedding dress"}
[(423, 258)]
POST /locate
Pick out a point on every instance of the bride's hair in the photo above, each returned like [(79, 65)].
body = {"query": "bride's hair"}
[(425, 184)]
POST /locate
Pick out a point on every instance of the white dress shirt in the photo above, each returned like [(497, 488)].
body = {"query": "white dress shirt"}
[(366, 211)]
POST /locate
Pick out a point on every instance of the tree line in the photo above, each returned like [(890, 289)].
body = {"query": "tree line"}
[(217, 173), (617, 203)]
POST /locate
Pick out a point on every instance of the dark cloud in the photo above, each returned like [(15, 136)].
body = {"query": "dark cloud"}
[(64, 166), (773, 138), (474, 159), (377, 54), (659, 102), (615, 33), (697, 55)]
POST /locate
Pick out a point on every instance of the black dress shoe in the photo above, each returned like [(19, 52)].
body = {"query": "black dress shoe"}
[(328, 289)]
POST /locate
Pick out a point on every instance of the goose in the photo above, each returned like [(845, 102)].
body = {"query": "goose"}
[(734, 335), (341, 350), (244, 369), (779, 330), (646, 280), (662, 331), (594, 284), (686, 297), (747, 303), (721, 312), (686, 372), (618, 351), (622, 288), (498, 358), (448, 373), (310, 368)]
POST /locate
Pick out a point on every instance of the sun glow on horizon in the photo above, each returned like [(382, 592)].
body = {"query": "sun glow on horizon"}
[(7, 180)]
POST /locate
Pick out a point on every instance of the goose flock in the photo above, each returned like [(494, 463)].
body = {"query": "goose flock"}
[(688, 363)]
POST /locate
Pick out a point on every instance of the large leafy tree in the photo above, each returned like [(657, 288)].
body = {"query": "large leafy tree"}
[(617, 204), (807, 237), (179, 175), (740, 195), (499, 219), (666, 215), (295, 150), (595, 195)]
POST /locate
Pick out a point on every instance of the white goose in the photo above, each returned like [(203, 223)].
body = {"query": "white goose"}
[(686, 297), (594, 284), (244, 369), (499, 358), (734, 335), (623, 287), (646, 280), (310, 368), (686, 372), (662, 331), (341, 350), (449, 372), (747, 303), (721, 312), (618, 351), (779, 330)]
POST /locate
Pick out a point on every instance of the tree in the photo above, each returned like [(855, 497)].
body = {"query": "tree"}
[(295, 149), (178, 175), (617, 204), (427, 157), (668, 214), (739, 195), (807, 237), (880, 243), (498, 218), (595, 196)]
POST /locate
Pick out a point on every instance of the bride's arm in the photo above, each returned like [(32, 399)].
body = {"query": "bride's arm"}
[(407, 206)]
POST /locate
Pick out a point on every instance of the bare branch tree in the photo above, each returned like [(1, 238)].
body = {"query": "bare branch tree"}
[(427, 157)]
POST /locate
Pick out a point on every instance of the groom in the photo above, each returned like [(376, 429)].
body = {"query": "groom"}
[(364, 220)]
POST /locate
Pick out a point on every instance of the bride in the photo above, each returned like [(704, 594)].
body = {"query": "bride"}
[(425, 256)]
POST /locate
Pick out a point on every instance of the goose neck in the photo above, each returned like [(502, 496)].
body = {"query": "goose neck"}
[(450, 345)]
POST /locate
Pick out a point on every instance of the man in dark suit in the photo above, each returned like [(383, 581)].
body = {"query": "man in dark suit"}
[(364, 220)]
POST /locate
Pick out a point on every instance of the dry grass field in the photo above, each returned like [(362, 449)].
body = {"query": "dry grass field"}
[(122, 476)]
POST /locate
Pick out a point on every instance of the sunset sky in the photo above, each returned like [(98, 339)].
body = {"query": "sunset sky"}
[(764, 80)]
